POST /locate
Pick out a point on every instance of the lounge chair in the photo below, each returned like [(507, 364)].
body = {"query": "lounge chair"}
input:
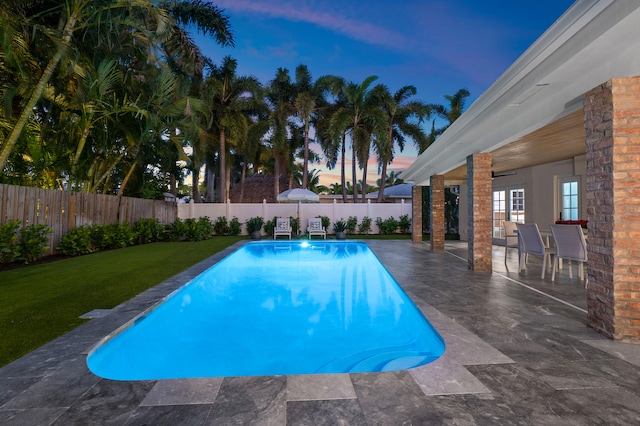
[(315, 228), (283, 227), (570, 245), (531, 243)]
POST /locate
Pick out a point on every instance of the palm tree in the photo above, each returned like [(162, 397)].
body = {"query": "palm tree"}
[(403, 119), (309, 102), (280, 94), (453, 110), (230, 98), (362, 119)]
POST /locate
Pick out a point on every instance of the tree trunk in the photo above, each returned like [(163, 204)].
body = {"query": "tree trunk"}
[(383, 180), (305, 164), (211, 181), (364, 181), (354, 174), (244, 175), (343, 171), (276, 179), (222, 161), (195, 175)]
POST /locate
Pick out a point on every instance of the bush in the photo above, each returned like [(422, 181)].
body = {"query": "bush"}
[(269, 225), (221, 227), (112, 236), (148, 231), (351, 224), (206, 227), (198, 230), (176, 231), (404, 223), (387, 226), (9, 249), (33, 242), (326, 222), (235, 227), (365, 226), (77, 241), (339, 226), (254, 224), (295, 225)]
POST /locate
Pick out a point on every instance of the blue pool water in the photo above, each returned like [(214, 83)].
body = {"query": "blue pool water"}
[(273, 308)]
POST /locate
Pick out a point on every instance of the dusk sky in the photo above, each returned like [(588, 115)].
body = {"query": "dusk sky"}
[(439, 46)]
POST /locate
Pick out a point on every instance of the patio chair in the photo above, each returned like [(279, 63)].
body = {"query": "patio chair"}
[(510, 234), (570, 245), (531, 243), (315, 227), (283, 227)]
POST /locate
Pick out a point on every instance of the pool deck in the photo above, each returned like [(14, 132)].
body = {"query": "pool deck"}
[(518, 352)]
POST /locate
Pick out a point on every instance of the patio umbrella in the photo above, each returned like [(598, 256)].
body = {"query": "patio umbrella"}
[(298, 195)]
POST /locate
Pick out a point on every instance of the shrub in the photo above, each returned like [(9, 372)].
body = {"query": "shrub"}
[(220, 226), (269, 225), (33, 242), (365, 226), (9, 249), (254, 224), (77, 241), (387, 226), (235, 227), (351, 224), (148, 231), (339, 226), (404, 223), (112, 236), (176, 231), (326, 221), (205, 226), (295, 225)]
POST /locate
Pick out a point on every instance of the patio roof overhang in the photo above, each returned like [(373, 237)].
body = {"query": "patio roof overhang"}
[(533, 113)]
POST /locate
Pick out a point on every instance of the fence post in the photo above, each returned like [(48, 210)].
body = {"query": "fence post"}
[(228, 206)]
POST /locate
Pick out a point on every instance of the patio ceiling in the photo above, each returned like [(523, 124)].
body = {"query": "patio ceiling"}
[(533, 113)]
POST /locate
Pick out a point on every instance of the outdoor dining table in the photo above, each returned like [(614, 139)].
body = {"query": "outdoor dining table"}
[(548, 238)]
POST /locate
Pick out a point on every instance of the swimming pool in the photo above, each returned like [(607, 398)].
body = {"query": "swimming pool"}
[(274, 308)]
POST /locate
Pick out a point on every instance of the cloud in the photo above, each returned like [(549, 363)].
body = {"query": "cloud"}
[(299, 11)]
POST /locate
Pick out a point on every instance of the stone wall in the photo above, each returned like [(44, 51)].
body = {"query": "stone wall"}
[(612, 123)]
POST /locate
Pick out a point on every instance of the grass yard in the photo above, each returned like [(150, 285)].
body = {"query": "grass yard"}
[(42, 302)]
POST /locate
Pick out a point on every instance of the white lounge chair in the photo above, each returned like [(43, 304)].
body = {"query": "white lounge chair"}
[(570, 245), (283, 227), (315, 227), (510, 237), (531, 243)]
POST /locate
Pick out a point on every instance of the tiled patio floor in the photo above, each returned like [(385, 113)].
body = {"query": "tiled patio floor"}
[(518, 352)]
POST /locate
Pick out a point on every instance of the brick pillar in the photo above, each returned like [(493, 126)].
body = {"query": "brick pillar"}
[(436, 213), (479, 216), (612, 124), (416, 222)]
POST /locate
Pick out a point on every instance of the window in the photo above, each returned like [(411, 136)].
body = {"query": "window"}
[(517, 205), (507, 203), (499, 213), (570, 199)]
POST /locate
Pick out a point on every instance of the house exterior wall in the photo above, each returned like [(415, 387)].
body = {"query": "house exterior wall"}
[(541, 186)]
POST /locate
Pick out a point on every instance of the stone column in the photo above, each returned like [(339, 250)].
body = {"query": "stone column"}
[(479, 216), (612, 124), (436, 213), (416, 222)]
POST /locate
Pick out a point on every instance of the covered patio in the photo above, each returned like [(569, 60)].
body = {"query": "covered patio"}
[(568, 110)]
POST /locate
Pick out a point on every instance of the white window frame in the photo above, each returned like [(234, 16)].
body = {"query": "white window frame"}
[(574, 200), (510, 211)]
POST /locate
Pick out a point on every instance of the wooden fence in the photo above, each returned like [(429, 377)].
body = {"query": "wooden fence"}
[(63, 210)]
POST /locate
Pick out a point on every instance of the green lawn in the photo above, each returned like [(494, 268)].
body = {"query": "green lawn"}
[(42, 302)]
